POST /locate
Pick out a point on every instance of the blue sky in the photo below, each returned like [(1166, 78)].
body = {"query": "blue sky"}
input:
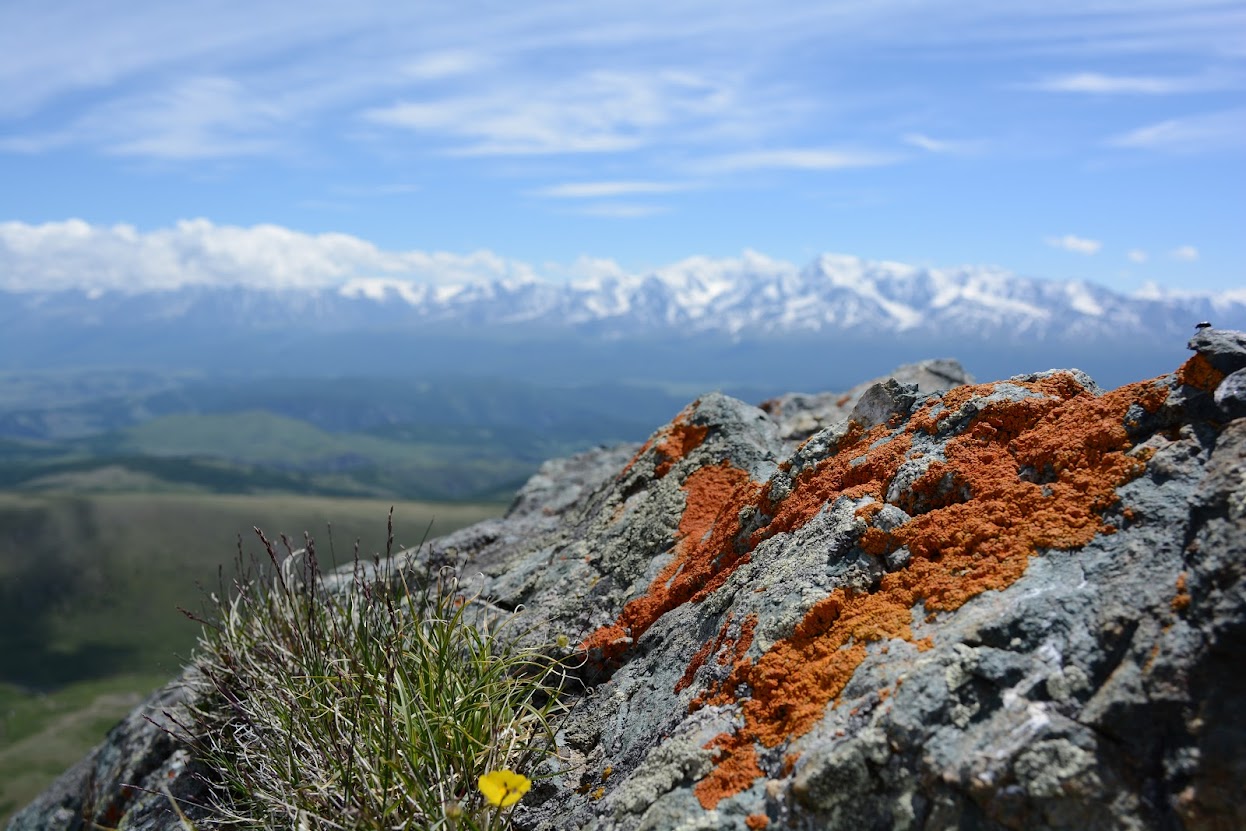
[(1096, 140)]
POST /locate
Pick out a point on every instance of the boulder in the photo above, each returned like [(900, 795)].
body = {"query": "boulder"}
[(1011, 605)]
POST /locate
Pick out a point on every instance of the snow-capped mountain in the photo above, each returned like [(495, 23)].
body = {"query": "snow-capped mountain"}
[(701, 322), (759, 297), (752, 297)]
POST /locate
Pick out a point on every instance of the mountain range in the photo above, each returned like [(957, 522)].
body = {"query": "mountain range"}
[(704, 304)]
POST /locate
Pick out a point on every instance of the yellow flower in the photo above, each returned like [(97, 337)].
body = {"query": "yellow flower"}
[(503, 788)]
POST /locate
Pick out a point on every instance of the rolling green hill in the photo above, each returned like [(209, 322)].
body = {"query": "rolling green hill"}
[(90, 584), (262, 452), (453, 439)]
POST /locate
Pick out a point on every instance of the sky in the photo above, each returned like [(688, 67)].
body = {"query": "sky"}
[(1100, 140)]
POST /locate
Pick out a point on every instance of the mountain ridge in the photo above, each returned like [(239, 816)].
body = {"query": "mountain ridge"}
[(754, 295)]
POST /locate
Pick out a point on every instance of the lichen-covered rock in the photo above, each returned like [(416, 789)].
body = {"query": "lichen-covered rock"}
[(1004, 606), (1224, 349), (799, 415)]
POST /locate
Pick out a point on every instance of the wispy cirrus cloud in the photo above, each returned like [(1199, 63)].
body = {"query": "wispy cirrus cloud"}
[(1207, 132), (436, 66), (198, 118), (952, 147), (1137, 255), (599, 112), (1185, 253), (621, 210), (201, 118), (1076, 244), (598, 190), (539, 79), (1097, 83), (799, 158), (378, 190)]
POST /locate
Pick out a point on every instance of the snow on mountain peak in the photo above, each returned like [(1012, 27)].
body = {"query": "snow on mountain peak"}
[(1081, 299), (751, 295)]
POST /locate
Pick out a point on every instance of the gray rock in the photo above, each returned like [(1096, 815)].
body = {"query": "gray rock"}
[(800, 415), (1230, 396), (1011, 606), (120, 784), (1224, 349), (882, 402)]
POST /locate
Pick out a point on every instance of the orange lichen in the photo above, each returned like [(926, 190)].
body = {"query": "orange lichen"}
[(735, 770), (740, 647), (1019, 477), (852, 470), (704, 556), (789, 762), (702, 655), (733, 655), (1182, 599), (1151, 656), (874, 541), (756, 821), (868, 510), (681, 440), (1198, 372), (671, 443)]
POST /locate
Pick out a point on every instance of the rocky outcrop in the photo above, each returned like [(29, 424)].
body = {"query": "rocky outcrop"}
[(1011, 605), (799, 415)]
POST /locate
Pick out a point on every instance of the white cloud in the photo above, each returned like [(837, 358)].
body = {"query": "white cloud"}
[(943, 146), (200, 118), (1076, 244), (438, 65), (539, 78), (196, 118), (598, 190), (75, 254), (50, 49), (1137, 255), (379, 190), (597, 112), (1185, 253), (1190, 134), (36, 143), (1095, 83), (621, 210), (799, 159)]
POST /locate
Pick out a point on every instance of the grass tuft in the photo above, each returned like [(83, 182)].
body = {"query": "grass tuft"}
[(377, 699)]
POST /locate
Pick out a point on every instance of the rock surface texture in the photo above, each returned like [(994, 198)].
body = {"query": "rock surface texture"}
[(1016, 605)]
